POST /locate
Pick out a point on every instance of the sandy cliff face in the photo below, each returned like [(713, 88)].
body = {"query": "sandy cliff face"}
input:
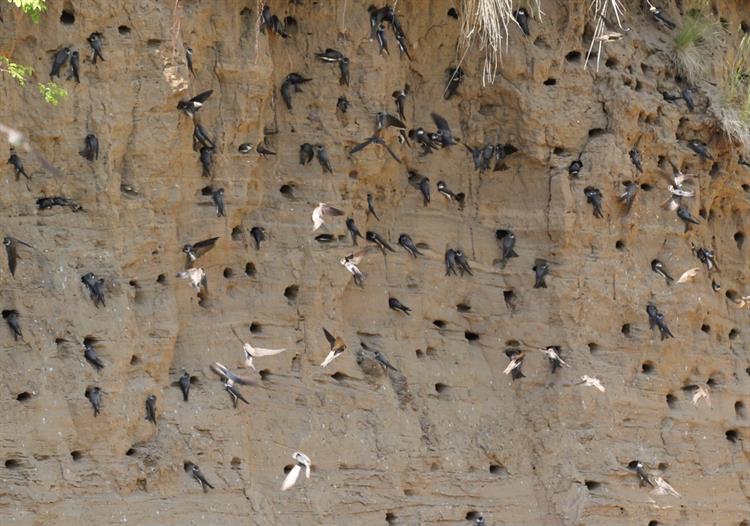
[(446, 436)]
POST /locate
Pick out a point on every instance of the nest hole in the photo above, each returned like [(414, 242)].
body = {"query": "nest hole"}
[(654, 523), (733, 334), (732, 295), (611, 63), (732, 435), (498, 469), (12, 463), (706, 328), (453, 13), (390, 518), (440, 324), (135, 360), (671, 401), (472, 515), (23, 397), (620, 244), (573, 56), (161, 279), (550, 82), (739, 238), (255, 328), (471, 336), (287, 191), (625, 329), (441, 388), (228, 272), (591, 485), (123, 30), (648, 367), (596, 132), (237, 233), (353, 174), (67, 17), (560, 151), (264, 374), (76, 455), (250, 269), (740, 410), (419, 353), (235, 462), (338, 376), (646, 187), (593, 348), (291, 292), (463, 307)]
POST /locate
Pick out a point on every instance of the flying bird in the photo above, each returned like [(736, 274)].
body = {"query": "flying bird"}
[(11, 250), (590, 381), (323, 210), (553, 354), (337, 347), (444, 134), (197, 277), (196, 250), (375, 139), (254, 352), (662, 487), (516, 357), (95, 287), (351, 263), (191, 106), (688, 275), (291, 84), (303, 461), (229, 380)]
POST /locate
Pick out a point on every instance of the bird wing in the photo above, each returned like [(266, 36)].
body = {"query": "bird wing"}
[(329, 359), (202, 97), (12, 258), (688, 275), (237, 334), (358, 256), (331, 211), (286, 93), (388, 148), (440, 122), (515, 362), (390, 120), (260, 351), (361, 146), (291, 477), (220, 370), (206, 244), (331, 339)]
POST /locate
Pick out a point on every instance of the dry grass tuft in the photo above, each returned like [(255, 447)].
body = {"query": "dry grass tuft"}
[(734, 107), (486, 22), (690, 53)]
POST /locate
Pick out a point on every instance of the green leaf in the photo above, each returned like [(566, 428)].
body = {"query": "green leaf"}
[(51, 92)]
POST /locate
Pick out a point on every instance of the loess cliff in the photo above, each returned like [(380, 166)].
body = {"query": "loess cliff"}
[(446, 437)]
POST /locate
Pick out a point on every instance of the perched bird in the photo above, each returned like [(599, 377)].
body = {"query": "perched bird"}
[(292, 84), (45, 203), (688, 275), (200, 137), (590, 381), (424, 139), (61, 57), (184, 383), (200, 477), (324, 238), (151, 408), (684, 213), (342, 104), (402, 45), (382, 360), (399, 97), (480, 521), (463, 264), (687, 96), (553, 354), (700, 148), (375, 139), (575, 167), (90, 354), (245, 148), (263, 151), (422, 184), (541, 269), (337, 347), (450, 262), (706, 257), (272, 23), (217, 196), (405, 241), (656, 319), (189, 59), (455, 77), (323, 159), (15, 161), (306, 153), (659, 17), (635, 156), (96, 288), (196, 250), (334, 56), (190, 107), (444, 134), (94, 394), (11, 318), (323, 210), (658, 267), (353, 230), (74, 67), (394, 304), (95, 41), (229, 379), (382, 41), (627, 197), (643, 476), (594, 196), (522, 17), (371, 206), (303, 461), (206, 158), (507, 243), (91, 148), (516, 357), (197, 277), (444, 190), (254, 352), (11, 250), (259, 234), (376, 238)]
